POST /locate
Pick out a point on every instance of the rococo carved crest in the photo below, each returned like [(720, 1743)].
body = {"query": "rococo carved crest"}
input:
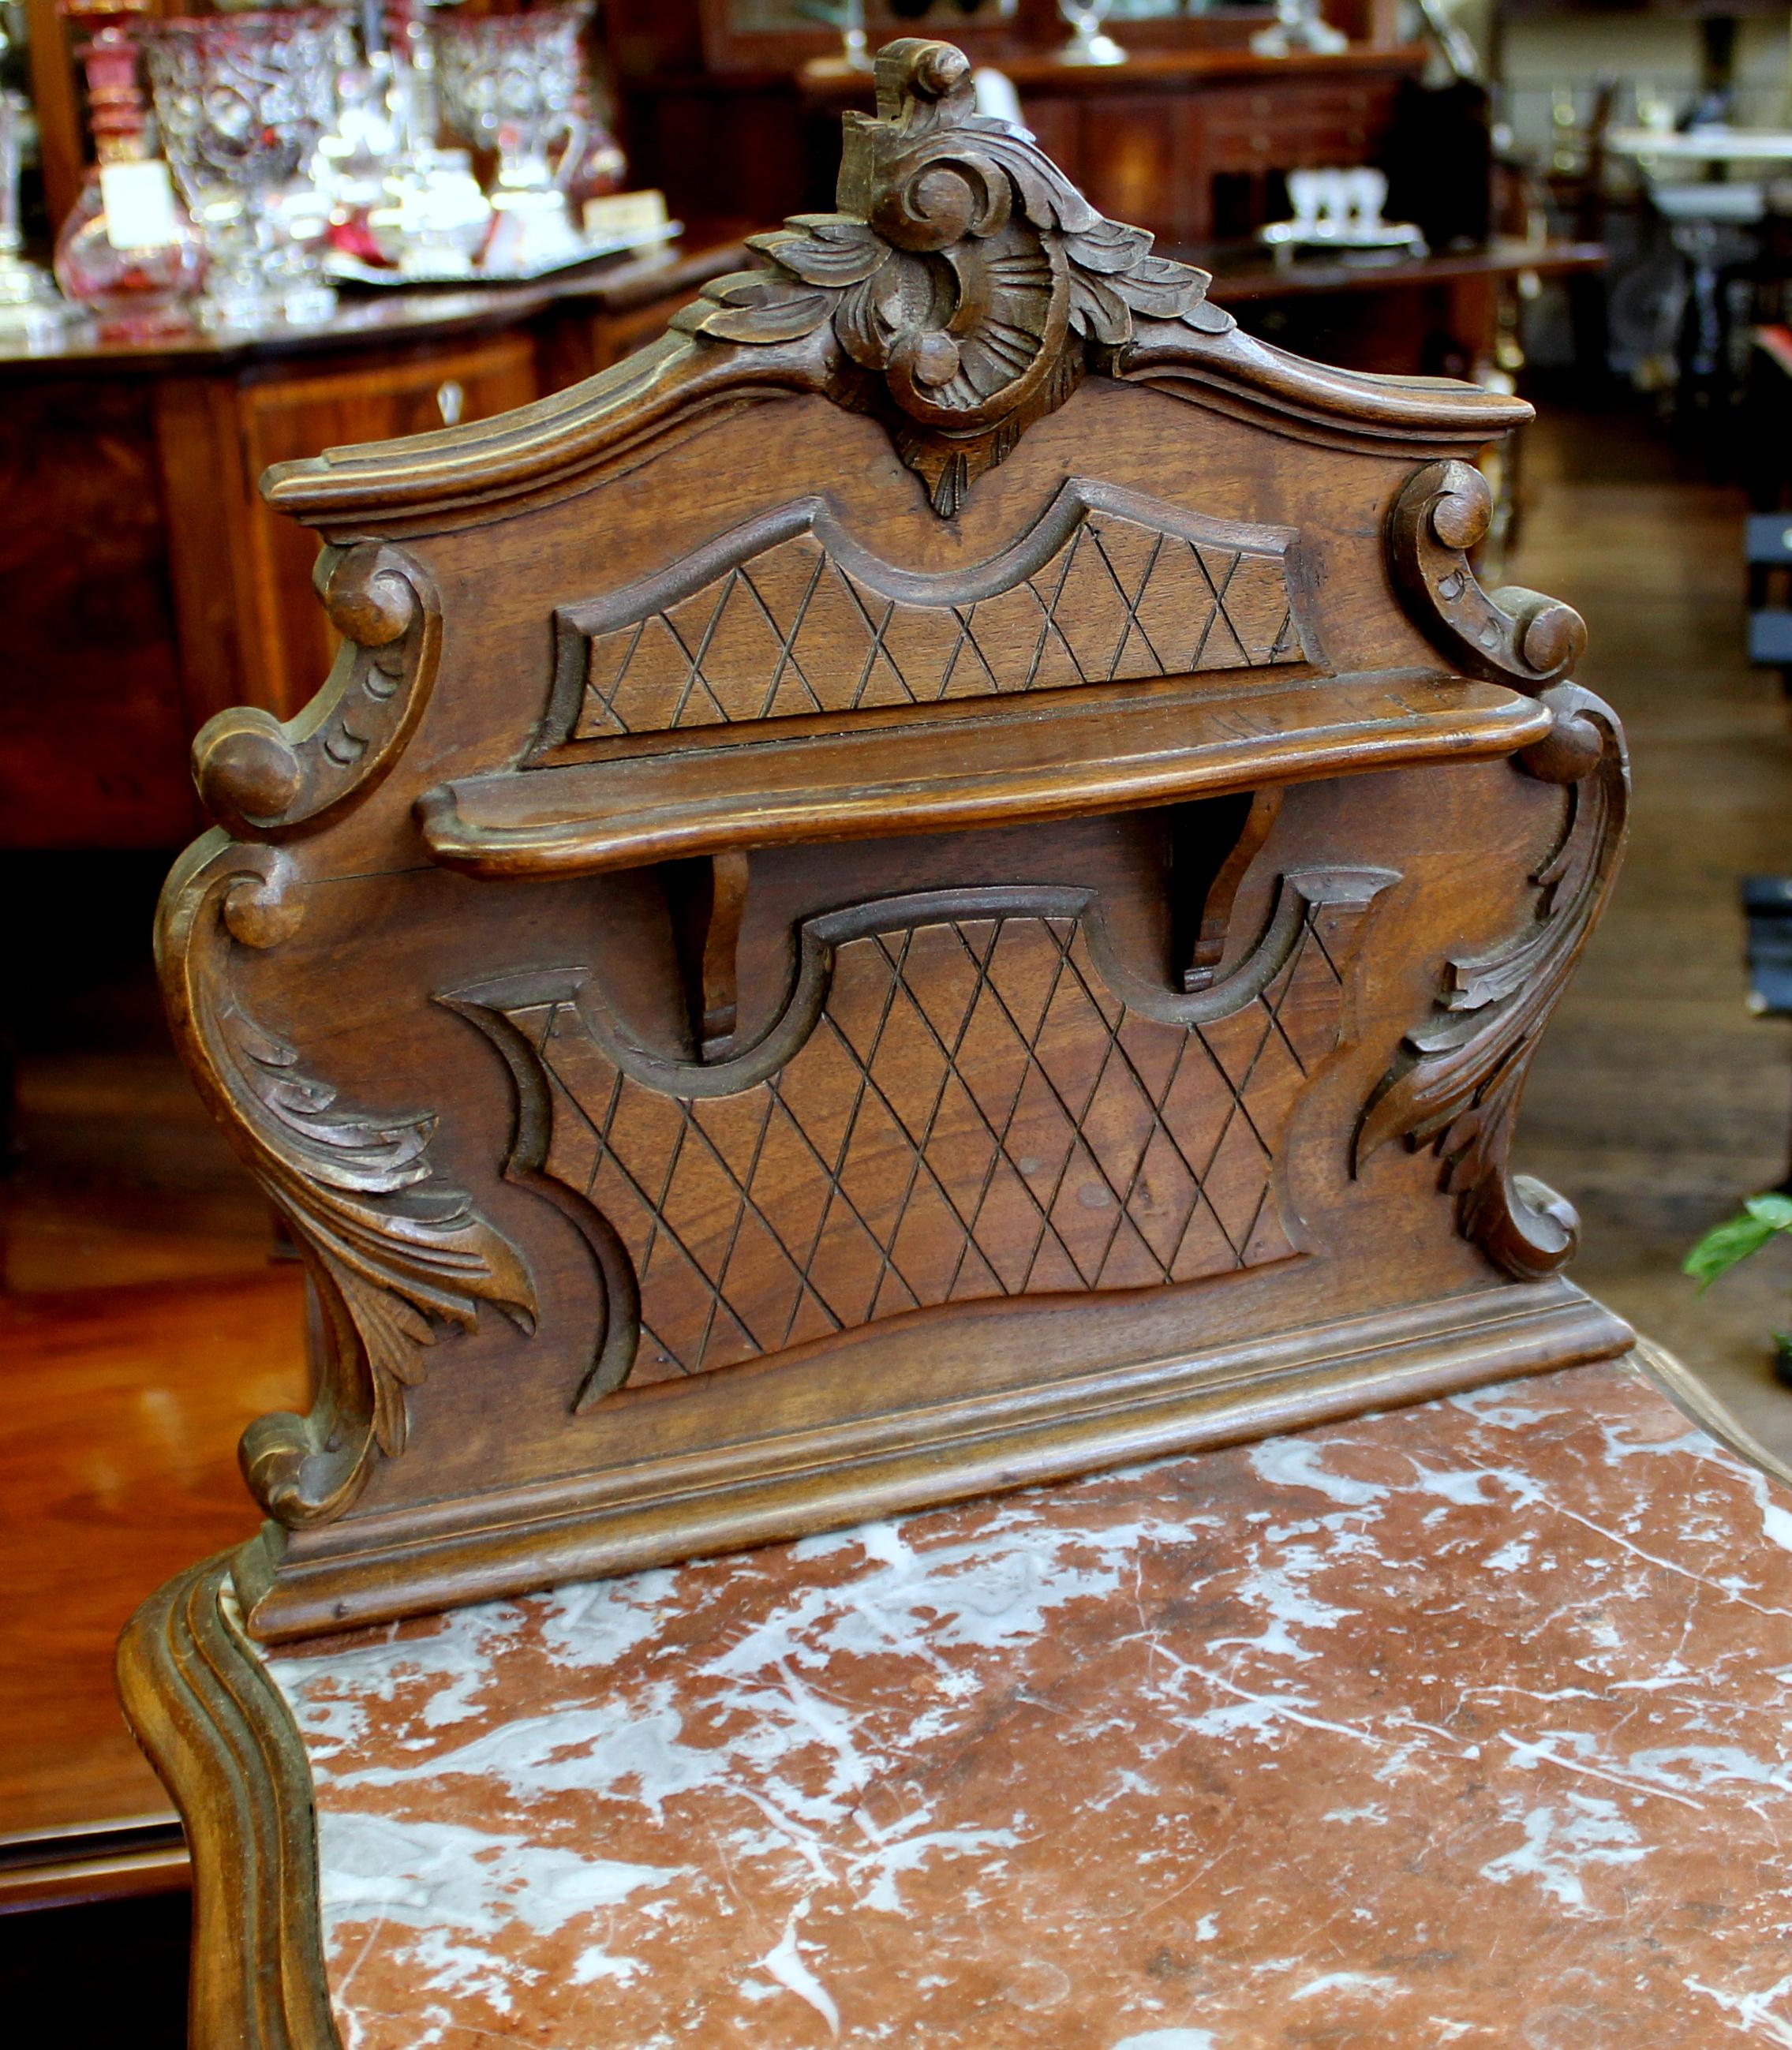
[(965, 281)]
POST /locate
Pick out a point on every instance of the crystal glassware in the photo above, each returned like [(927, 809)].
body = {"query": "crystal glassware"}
[(1087, 44), (1299, 25), (30, 309), (434, 220), (511, 83), (244, 100)]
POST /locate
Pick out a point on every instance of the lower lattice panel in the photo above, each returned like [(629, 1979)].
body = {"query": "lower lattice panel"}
[(975, 1115)]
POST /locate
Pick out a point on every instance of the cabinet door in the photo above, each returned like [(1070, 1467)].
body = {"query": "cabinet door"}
[(291, 413)]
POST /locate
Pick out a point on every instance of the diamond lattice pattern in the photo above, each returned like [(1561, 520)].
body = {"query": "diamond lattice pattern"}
[(791, 631), (975, 1115)]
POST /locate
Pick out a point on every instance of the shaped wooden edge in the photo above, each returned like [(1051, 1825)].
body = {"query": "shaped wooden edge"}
[(560, 445), (213, 1725), (1110, 751), (1043, 290), (1694, 1397), (758, 1489), (261, 778)]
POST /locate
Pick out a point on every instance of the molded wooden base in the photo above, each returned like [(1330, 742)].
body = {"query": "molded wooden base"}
[(218, 1731), (687, 1502)]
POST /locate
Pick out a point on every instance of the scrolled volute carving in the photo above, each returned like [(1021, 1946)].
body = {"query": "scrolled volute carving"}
[(965, 279), (259, 777), (398, 1256), (1456, 1084), (1511, 636)]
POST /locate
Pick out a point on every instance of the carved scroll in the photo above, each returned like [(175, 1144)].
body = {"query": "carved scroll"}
[(964, 1100), (964, 279), (1456, 1084), (397, 1255), (258, 776), (1513, 636)]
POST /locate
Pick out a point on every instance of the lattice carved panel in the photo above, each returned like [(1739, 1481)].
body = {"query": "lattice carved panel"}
[(975, 1114), (805, 623)]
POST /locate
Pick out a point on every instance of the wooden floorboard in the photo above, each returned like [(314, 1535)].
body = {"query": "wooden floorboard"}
[(1657, 1101), (117, 1468)]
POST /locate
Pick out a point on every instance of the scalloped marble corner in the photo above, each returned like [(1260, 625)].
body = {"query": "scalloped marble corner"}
[(1393, 1731)]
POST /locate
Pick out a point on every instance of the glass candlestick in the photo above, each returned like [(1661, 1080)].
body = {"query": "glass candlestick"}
[(1087, 44), (30, 309)]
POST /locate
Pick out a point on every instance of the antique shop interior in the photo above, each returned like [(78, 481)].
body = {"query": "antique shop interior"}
[(831, 1384)]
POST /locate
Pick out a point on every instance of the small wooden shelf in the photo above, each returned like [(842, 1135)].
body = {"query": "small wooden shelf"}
[(1035, 758)]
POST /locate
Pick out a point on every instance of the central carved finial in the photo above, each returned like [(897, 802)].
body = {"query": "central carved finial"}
[(965, 281)]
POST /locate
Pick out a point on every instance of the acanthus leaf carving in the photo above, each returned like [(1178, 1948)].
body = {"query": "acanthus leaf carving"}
[(1510, 635), (398, 1256), (258, 776), (1455, 1085), (965, 278)]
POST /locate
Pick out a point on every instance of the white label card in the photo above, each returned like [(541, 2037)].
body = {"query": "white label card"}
[(139, 201), (625, 213)]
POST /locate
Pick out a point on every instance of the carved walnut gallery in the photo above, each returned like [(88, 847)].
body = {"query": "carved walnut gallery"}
[(895, 1094)]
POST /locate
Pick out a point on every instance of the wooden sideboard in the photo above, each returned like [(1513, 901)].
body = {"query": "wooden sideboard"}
[(1185, 142), (145, 584)]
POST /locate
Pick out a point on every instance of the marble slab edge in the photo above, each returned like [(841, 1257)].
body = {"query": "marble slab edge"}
[(423, 1558)]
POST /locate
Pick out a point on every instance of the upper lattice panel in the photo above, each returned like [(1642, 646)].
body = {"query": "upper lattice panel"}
[(787, 616)]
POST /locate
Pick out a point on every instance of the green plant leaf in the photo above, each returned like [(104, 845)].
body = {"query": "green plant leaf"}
[(1772, 1209), (1725, 1245)]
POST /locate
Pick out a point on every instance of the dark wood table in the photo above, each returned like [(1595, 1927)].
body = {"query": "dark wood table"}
[(1450, 314)]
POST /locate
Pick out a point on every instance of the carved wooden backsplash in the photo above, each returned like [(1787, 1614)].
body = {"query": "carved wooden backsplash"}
[(788, 617), (1007, 1187)]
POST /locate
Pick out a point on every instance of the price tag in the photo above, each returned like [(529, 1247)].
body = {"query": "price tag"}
[(139, 198), (625, 213)]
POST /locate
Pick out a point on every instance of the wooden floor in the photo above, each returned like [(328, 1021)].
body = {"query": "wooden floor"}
[(143, 1323), (1657, 1101)]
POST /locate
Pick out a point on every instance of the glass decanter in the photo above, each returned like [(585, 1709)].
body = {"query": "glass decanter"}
[(128, 251)]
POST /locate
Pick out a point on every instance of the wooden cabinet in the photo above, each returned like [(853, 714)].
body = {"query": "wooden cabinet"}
[(1148, 137), (145, 584), (281, 417)]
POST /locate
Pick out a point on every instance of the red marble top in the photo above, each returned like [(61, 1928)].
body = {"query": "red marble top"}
[(1462, 1725)]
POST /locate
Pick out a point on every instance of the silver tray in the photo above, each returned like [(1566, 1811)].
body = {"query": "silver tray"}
[(1386, 238), (349, 270)]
